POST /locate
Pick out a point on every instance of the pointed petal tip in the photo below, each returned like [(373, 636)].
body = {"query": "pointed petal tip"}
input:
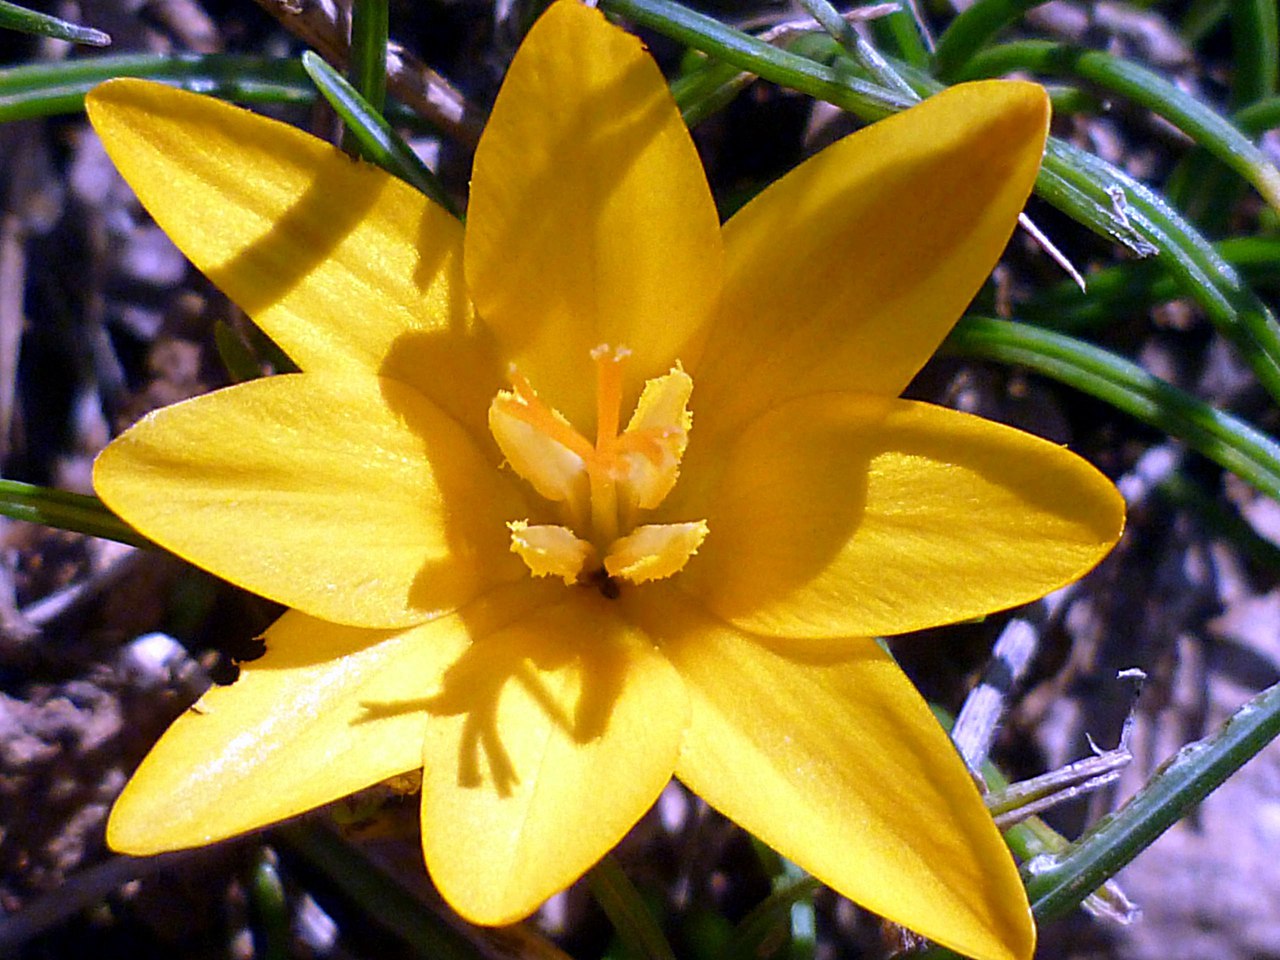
[(138, 826), (587, 164), (1014, 940), (124, 93)]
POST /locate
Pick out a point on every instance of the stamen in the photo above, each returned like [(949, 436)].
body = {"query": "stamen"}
[(648, 442), (550, 550), (609, 363), (654, 551), (527, 406)]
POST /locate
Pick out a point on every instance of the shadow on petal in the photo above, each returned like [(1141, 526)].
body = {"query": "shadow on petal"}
[(560, 668), (263, 272), (559, 260), (781, 502), (849, 515)]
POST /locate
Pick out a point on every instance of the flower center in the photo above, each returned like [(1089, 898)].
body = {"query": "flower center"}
[(602, 489)]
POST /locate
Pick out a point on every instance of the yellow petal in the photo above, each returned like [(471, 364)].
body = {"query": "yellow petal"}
[(327, 711), (835, 762), (590, 220), (550, 740), (845, 515), (340, 263), (847, 273), (355, 500)]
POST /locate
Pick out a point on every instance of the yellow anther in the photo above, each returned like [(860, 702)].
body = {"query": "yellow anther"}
[(551, 551), (654, 551)]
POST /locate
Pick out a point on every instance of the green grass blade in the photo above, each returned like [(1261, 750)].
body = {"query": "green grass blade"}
[(709, 88), (1128, 289), (1233, 444), (971, 30), (379, 143), (238, 360), (1201, 19), (697, 30), (760, 927), (268, 909), (903, 33), (1209, 129), (1259, 117), (867, 57), (49, 89), (1255, 35), (14, 17), (66, 511), (369, 25), (632, 920), (1091, 191)]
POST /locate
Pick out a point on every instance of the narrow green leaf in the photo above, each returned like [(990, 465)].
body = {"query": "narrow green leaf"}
[(49, 89), (379, 142), (240, 363), (1033, 837), (1255, 35), (1205, 191), (1259, 117), (903, 33), (866, 56), (66, 511), (697, 30), (1233, 444), (369, 25), (769, 920), (1201, 19), (1073, 100), (1220, 521), (1112, 203), (1121, 292), (709, 88), (269, 909), (970, 31), (14, 17), (1057, 885), (634, 924), (1210, 130)]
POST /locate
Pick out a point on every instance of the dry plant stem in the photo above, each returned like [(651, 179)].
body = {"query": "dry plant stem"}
[(1021, 800), (13, 264), (321, 26), (975, 726), (1056, 255)]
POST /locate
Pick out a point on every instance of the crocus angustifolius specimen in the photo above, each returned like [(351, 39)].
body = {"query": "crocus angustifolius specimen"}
[(594, 490)]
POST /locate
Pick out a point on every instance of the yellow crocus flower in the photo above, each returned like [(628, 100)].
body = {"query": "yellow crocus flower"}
[(593, 490)]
